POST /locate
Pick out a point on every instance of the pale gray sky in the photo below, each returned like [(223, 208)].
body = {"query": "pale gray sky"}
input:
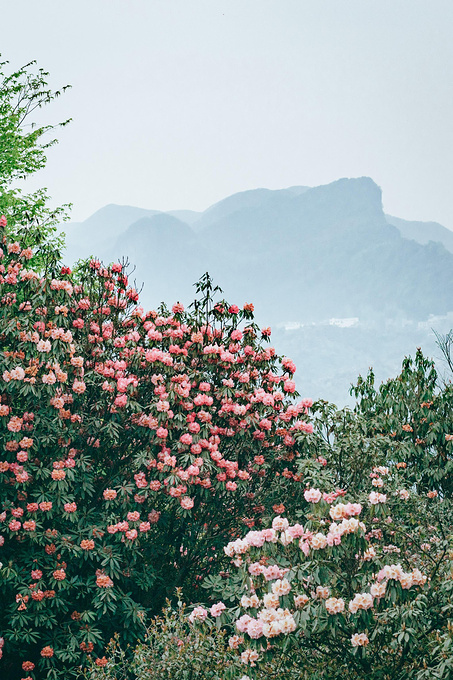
[(179, 103)]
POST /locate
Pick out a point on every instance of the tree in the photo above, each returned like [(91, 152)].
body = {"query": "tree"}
[(134, 445), (24, 146), (351, 590)]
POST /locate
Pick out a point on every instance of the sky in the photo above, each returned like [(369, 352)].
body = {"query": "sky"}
[(179, 103)]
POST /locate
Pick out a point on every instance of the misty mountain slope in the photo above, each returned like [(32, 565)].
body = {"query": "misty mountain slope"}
[(300, 254), (166, 256), (100, 230), (335, 244), (288, 221), (187, 216), (423, 232), (304, 257), (242, 201)]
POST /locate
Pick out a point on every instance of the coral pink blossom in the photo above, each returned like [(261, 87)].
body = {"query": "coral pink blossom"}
[(79, 387), (186, 502), (59, 574), (109, 494)]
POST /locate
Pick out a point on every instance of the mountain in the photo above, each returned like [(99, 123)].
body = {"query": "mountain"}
[(94, 234), (164, 251), (305, 257), (239, 202), (423, 232)]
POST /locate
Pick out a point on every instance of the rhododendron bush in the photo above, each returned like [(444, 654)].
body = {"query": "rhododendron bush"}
[(134, 445), (143, 452), (356, 590)]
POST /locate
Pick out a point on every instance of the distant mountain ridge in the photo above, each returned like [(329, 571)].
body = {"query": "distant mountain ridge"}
[(423, 232), (303, 256), (300, 253)]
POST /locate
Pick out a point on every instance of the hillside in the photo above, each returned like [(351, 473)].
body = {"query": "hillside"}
[(303, 256)]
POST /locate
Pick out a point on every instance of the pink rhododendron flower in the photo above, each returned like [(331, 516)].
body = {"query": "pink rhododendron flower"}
[(359, 640), (217, 609), (312, 495), (186, 502), (198, 614)]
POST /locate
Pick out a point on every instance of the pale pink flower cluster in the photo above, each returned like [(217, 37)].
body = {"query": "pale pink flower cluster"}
[(361, 601), (61, 334), (270, 573), (61, 285), (252, 601), (319, 541), (281, 587), (271, 622), (276, 622), (378, 589), (17, 373), (345, 510), (381, 470), (374, 498), (43, 346), (397, 573), (252, 538), (28, 274), (249, 657), (369, 554), (217, 609), (271, 601), (312, 495), (335, 605), (359, 640), (198, 614), (300, 601), (280, 523)]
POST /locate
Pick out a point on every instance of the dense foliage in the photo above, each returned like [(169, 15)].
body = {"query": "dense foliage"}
[(356, 580), (148, 453), (134, 446), (173, 649), (24, 144)]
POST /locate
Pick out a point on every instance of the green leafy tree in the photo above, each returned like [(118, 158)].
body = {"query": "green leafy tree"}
[(408, 419), (24, 145)]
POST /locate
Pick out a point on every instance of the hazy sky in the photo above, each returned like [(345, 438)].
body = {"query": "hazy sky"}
[(179, 103)]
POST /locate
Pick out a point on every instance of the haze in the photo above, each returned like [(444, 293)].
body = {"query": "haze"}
[(178, 104)]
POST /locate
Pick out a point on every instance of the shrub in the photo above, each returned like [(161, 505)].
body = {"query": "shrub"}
[(355, 590), (173, 649), (134, 446)]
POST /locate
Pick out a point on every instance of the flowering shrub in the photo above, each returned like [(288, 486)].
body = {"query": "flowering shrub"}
[(357, 590), (407, 419), (172, 650), (133, 446)]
